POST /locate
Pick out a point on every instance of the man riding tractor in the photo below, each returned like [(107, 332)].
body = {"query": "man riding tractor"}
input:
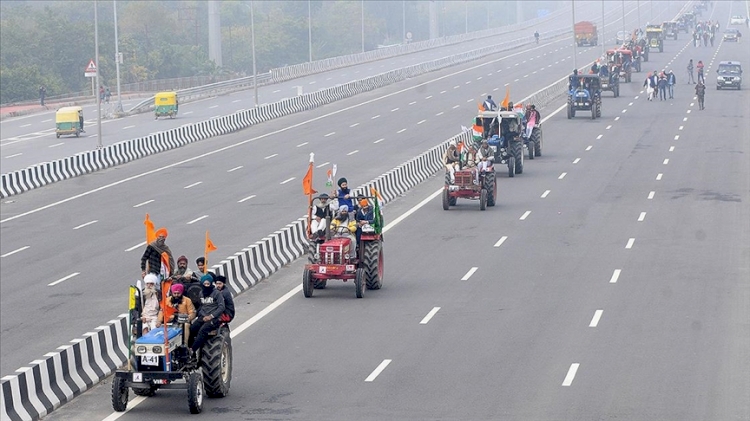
[(584, 94), (623, 61)]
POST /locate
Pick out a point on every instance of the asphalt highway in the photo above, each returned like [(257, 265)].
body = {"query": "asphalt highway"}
[(30, 140), (610, 282), (81, 240)]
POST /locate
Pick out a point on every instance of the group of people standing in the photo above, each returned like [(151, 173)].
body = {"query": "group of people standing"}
[(705, 31), (661, 84)]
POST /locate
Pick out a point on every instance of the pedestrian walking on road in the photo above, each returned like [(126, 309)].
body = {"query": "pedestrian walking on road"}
[(662, 84), (705, 39), (690, 72), (700, 92), (650, 85), (42, 94), (671, 81), (701, 78)]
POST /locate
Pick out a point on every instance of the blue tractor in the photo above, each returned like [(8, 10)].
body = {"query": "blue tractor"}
[(584, 94), (160, 359)]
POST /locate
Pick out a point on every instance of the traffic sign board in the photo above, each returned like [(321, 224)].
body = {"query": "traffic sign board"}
[(90, 69)]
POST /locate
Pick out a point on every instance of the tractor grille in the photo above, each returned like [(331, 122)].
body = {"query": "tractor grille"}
[(464, 179)]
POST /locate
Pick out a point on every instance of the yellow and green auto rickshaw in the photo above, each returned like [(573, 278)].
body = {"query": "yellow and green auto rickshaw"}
[(69, 120), (165, 104)]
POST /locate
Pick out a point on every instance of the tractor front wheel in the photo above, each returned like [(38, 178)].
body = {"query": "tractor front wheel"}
[(119, 394), (483, 200), (195, 392), (511, 167), (491, 186), (446, 200), (307, 283), (360, 282)]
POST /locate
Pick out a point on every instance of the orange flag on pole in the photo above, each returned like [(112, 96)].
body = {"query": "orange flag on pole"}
[(150, 232), (209, 245), (506, 100), (307, 181)]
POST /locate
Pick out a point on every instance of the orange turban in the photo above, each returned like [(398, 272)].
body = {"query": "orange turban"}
[(162, 231)]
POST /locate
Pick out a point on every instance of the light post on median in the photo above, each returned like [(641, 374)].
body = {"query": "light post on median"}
[(96, 63), (309, 30), (604, 40), (363, 26), (575, 43), (623, 16), (252, 36), (117, 62)]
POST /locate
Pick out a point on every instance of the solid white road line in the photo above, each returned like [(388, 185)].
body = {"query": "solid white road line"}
[(378, 370), (562, 176), (630, 243), (659, 176), (63, 279), (469, 273), (595, 319), (245, 199), (136, 246), (14, 155), (651, 194), (525, 215), (501, 241), (192, 185), (571, 374), (429, 315), (642, 217), (545, 194), (143, 203), (10, 253), (197, 219), (615, 276), (86, 224), (234, 169), (287, 180)]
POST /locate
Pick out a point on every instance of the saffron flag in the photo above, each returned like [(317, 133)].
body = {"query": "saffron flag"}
[(307, 180), (150, 232), (377, 212), (506, 100), (209, 245)]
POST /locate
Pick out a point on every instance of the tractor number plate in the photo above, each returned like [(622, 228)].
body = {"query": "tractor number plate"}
[(150, 359)]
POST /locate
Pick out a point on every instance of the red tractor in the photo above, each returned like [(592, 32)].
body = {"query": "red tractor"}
[(332, 258), (464, 187)]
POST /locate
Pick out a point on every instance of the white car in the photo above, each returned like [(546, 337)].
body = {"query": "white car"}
[(737, 20), (621, 37)]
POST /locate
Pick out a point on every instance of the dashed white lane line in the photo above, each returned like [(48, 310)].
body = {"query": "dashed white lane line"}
[(401, 131), (136, 246), (56, 145), (185, 113), (143, 203), (276, 91), (439, 114), (442, 92), (456, 106), (681, 127), (374, 117), (72, 275), (429, 97), (234, 169), (501, 241), (676, 137), (86, 224), (14, 155), (193, 185), (684, 119), (671, 149), (271, 156), (379, 140), (599, 137), (287, 180), (651, 195), (545, 194), (456, 87), (302, 144), (617, 118), (688, 111), (213, 106), (25, 125), (469, 273), (630, 243), (596, 318), (577, 160), (659, 176), (197, 219), (609, 127), (413, 102), (642, 217), (666, 161), (429, 315), (525, 215), (588, 148), (10, 253), (127, 127), (352, 152), (330, 134), (378, 370), (236, 101), (615, 276), (629, 105), (354, 125), (562, 176), (421, 121), (322, 165), (571, 374), (395, 109), (246, 199), (313, 82)]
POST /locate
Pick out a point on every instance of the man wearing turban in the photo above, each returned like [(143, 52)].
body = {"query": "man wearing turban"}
[(151, 260)]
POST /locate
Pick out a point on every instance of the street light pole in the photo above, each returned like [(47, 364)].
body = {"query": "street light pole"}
[(252, 36), (638, 4), (363, 26), (117, 62), (403, 20), (96, 63), (603, 39), (309, 30), (623, 15), (575, 44), (466, 17)]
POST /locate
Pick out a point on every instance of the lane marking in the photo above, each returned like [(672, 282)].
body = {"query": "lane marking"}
[(671, 149), (651, 194), (440, 113), (677, 137), (615, 276), (413, 102), (379, 140), (330, 134), (577, 160), (469, 273), (56, 145), (401, 131), (352, 152), (525, 215), (545, 194), (501, 241), (14, 155), (681, 127), (608, 127), (287, 180), (193, 185), (588, 148), (236, 101), (395, 109), (143, 203), (322, 165), (64, 279), (456, 106), (642, 216), (15, 251), (618, 118), (659, 176), (666, 161), (25, 125), (571, 374), (630, 243), (127, 127), (420, 122), (684, 119), (245, 199), (86, 224), (302, 144), (197, 219), (562, 176), (373, 118), (378, 370), (354, 125), (595, 319), (599, 137), (234, 169), (429, 97), (271, 156), (213, 106), (429, 315)]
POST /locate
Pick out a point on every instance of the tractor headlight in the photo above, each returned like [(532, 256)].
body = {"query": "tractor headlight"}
[(140, 350), (316, 256), (156, 350)]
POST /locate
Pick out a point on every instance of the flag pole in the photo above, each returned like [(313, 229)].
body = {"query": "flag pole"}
[(310, 196), (205, 254)]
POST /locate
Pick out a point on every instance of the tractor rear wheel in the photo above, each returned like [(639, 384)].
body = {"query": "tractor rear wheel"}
[(446, 200), (491, 186), (536, 135), (360, 283), (530, 147), (119, 394), (483, 200), (570, 111), (511, 166), (307, 283), (518, 154), (216, 361), (373, 262), (195, 392)]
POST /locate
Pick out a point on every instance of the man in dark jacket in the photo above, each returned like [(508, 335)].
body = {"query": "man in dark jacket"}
[(221, 285), (212, 307), (151, 259)]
